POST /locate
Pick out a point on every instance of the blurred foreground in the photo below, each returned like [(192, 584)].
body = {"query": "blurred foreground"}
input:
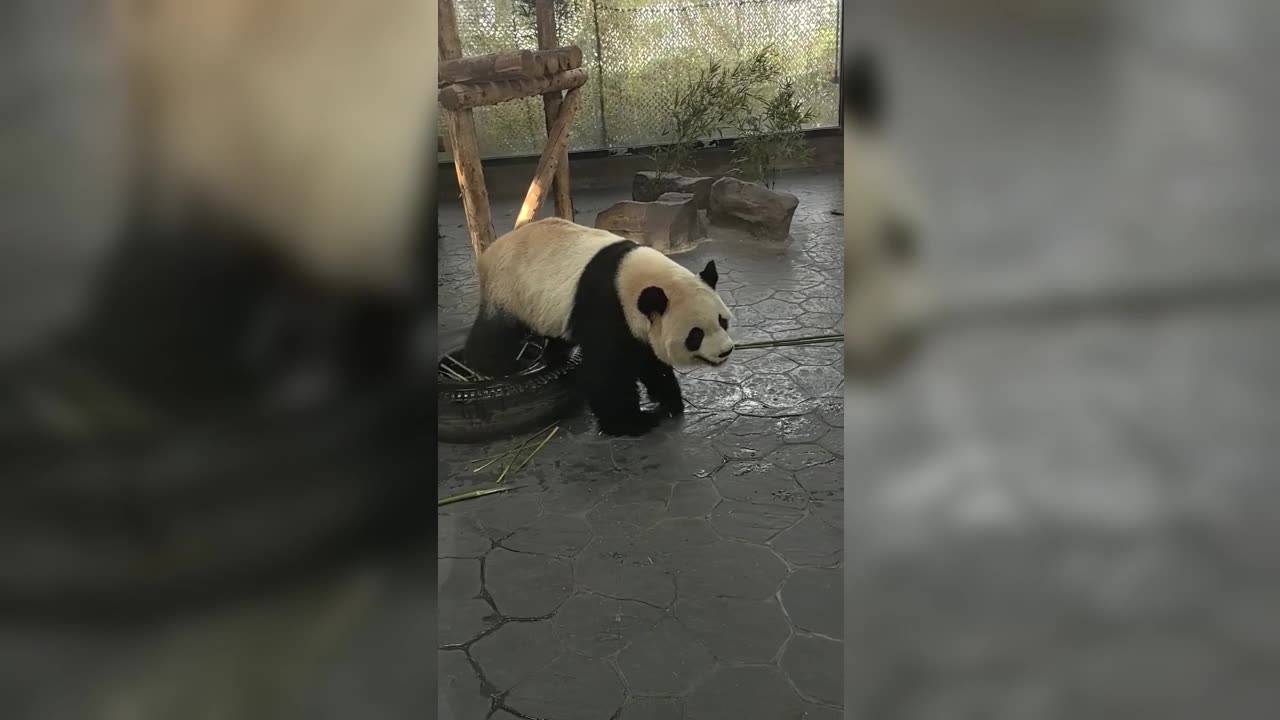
[(1067, 508), (182, 502)]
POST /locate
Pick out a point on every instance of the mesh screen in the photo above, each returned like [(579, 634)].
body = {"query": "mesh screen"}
[(636, 52)]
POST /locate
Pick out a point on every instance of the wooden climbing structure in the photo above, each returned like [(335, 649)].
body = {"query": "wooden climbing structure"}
[(466, 83)]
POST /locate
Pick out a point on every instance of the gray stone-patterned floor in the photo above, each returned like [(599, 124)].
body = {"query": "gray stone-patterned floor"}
[(695, 573)]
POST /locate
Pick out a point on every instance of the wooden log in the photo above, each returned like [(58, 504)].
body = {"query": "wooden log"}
[(464, 96), (552, 105), (465, 145), (447, 31), (485, 67), (466, 161), (545, 24), (509, 65), (524, 64), (552, 60), (557, 141)]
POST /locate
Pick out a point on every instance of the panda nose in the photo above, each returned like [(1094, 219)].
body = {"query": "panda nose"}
[(726, 353)]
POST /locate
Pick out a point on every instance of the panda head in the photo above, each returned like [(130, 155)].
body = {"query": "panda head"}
[(885, 300), (688, 323)]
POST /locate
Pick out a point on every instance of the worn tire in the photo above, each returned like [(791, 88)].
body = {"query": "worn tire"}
[(471, 412)]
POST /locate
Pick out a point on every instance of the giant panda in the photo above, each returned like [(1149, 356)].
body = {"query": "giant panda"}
[(275, 183), (886, 302), (635, 313)]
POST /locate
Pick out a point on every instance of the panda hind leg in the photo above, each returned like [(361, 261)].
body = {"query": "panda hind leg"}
[(558, 349), (660, 381), (614, 397), (494, 342)]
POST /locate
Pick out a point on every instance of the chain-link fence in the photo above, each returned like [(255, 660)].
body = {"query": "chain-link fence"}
[(637, 52)]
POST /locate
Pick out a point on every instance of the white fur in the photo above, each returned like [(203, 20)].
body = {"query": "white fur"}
[(533, 273), (307, 118), (691, 303)]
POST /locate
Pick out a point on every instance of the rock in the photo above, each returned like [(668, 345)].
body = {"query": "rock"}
[(668, 225), (648, 186), (676, 197), (701, 229), (755, 209)]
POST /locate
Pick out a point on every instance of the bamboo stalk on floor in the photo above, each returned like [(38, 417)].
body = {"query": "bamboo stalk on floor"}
[(535, 450), (789, 342), (475, 494), (494, 458), (516, 457)]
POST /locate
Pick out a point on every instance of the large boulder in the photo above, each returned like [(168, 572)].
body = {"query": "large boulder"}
[(668, 225), (648, 186), (761, 213)]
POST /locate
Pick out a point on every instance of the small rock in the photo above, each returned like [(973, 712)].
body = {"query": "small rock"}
[(666, 226), (648, 186), (675, 197), (762, 213)]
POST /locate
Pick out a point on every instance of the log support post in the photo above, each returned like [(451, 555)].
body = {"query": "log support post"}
[(554, 157), (464, 144), (545, 19)]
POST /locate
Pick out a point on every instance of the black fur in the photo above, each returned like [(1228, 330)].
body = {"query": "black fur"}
[(709, 274), (653, 301), (694, 340), (613, 360), (494, 342)]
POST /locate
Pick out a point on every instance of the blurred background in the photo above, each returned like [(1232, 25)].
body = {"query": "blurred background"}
[(1066, 508), (62, 172)]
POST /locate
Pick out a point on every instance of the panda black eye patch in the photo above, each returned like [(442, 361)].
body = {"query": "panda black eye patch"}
[(694, 340), (724, 323)]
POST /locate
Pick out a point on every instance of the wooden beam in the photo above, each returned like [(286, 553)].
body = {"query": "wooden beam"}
[(552, 154), (545, 23), (466, 160), (466, 148), (447, 32), (509, 65), (464, 96), (485, 67), (552, 60)]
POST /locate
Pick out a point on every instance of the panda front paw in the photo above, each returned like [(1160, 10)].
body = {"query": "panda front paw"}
[(633, 426), (672, 409)]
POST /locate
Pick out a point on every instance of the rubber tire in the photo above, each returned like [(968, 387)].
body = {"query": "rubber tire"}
[(477, 412)]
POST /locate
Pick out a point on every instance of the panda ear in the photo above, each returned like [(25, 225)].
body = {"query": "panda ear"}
[(653, 301), (709, 274)]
